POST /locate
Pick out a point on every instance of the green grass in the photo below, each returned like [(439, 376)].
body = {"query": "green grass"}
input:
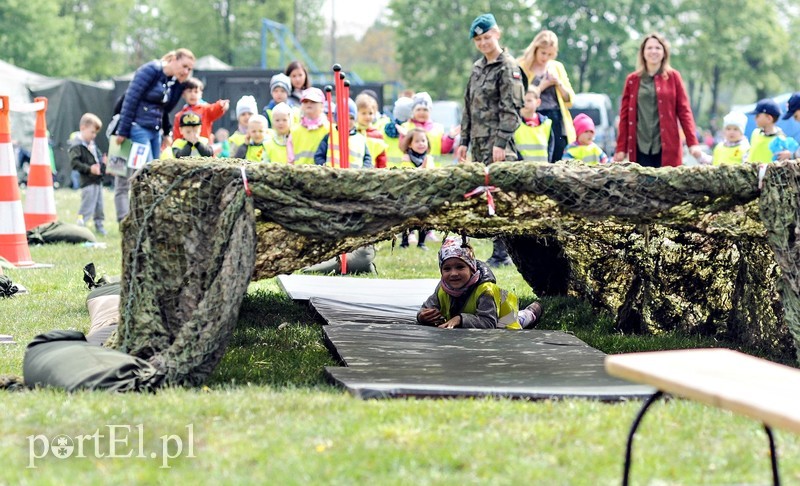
[(267, 415)]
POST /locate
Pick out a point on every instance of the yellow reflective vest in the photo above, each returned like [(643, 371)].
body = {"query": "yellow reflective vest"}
[(394, 156), (236, 140), (305, 142), (179, 144), (276, 148), (376, 147), (357, 146), (506, 303), (589, 154), (724, 154), (532, 142), (257, 153), (759, 146)]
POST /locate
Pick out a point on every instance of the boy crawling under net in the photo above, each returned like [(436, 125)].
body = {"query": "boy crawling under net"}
[(468, 295)]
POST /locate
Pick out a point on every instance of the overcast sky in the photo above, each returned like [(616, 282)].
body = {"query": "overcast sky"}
[(354, 16)]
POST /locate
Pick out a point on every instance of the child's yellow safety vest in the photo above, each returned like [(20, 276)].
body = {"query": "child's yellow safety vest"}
[(506, 303)]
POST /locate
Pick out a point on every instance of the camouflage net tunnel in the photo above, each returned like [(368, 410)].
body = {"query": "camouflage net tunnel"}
[(693, 249)]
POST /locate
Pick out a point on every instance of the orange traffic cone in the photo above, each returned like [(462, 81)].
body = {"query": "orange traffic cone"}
[(40, 201), (13, 241)]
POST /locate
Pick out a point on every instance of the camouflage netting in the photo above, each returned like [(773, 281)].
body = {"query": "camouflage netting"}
[(700, 249)]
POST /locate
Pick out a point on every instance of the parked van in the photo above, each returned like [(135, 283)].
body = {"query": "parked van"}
[(598, 107), (448, 113)]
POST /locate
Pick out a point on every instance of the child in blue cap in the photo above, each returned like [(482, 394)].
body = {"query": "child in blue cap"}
[(767, 140)]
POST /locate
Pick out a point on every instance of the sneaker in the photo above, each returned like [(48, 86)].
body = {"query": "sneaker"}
[(529, 316), (499, 262), (101, 231), (422, 247), (80, 221)]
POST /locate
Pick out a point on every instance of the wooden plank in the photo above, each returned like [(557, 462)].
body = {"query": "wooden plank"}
[(754, 387)]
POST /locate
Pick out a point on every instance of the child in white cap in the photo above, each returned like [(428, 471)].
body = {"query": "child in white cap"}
[(277, 146), (734, 148), (245, 108), (468, 296), (313, 127)]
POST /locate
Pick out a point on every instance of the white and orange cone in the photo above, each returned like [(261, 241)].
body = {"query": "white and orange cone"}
[(13, 240), (40, 201)]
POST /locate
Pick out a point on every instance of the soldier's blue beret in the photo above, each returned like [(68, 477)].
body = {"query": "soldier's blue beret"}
[(481, 24)]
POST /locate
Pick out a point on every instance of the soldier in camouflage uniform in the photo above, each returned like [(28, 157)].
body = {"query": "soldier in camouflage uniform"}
[(493, 98), (495, 93)]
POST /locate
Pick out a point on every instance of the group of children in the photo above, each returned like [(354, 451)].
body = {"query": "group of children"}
[(767, 143), (535, 141), (294, 128)]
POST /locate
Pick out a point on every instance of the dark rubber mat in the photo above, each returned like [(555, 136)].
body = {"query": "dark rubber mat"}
[(386, 355)]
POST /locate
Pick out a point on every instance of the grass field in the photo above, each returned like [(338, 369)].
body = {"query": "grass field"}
[(268, 416)]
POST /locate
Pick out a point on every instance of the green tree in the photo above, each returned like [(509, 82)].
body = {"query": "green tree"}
[(34, 36), (599, 39), (96, 26), (768, 59), (433, 48), (372, 57)]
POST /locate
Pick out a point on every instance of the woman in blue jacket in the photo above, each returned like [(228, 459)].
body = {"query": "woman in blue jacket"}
[(154, 91)]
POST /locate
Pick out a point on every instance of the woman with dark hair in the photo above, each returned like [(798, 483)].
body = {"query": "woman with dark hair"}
[(298, 74), (654, 102)]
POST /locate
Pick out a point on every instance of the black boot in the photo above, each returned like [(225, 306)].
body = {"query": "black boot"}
[(421, 234), (499, 256), (404, 240)]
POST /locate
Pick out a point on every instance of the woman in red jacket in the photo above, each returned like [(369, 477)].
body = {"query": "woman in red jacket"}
[(654, 102)]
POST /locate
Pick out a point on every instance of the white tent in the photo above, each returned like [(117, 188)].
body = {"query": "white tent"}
[(211, 63), (15, 83)]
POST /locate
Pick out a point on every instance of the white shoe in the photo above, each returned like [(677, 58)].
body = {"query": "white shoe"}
[(80, 221)]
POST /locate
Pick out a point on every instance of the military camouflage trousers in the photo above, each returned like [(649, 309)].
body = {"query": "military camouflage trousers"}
[(482, 150)]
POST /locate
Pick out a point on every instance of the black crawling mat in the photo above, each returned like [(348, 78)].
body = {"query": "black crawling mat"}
[(386, 355)]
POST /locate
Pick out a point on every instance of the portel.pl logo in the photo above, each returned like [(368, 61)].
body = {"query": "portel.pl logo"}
[(111, 442)]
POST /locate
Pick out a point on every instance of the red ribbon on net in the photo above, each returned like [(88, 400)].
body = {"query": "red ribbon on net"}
[(485, 188), (244, 181)]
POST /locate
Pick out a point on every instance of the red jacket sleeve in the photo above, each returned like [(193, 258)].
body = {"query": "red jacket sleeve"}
[(176, 126), (625, 120), (447, 144), (684, 111)]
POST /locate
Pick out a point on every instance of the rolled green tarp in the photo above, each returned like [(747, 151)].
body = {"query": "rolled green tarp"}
[(63, 359)]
